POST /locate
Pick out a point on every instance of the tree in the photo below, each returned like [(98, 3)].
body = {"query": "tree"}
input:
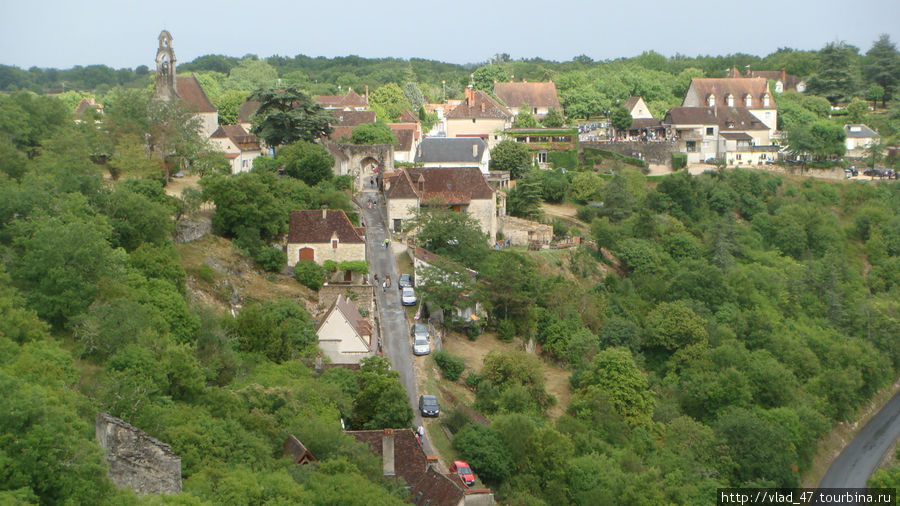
[(289, 115), (458, 236), (484, 77), (174, 133), (882, 67), (388, 102), (228, 103), (856, 111), (444, 283), (381, 401), (525, 199), (875, 93), (307, 161), (414, 96), (674, 325), (251, 74), (525, 119), (483, 449), (834, 79), (511, 156), (554, 118), (309, 274), (620, 118), (373, 133), (277, 329), (821, 139), (752, 441), (246, 201)]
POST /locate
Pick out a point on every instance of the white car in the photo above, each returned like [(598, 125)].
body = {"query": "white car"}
[(408, 296), (421, 346)]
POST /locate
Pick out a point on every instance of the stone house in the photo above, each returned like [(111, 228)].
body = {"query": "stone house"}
[(351, 101), (461, 189), (298, 452), (240, 147), (320, 235), (643, 125), (539, 97), (751, 93), (409, 135), (478, 115), (403, 456), (543, 141), (345, 336), (859, 137), (783, 80), (453, 152), (732, 134)]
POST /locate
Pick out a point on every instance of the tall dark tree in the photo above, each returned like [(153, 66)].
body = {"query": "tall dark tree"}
[(511, 156), (882, 67), (834, 80), (285, 116)]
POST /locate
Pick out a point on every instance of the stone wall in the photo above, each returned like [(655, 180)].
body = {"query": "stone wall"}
[(345, 251), (365, 296), (521, 232), (136, 460), (362, 157), (651, 152)]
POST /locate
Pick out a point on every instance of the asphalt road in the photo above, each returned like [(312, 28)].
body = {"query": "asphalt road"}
[(395, 338), (859, 459)]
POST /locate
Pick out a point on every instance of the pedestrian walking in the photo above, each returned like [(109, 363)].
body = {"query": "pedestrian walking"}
[(376, 277), (383, 287), (388, 280), (386, 242)]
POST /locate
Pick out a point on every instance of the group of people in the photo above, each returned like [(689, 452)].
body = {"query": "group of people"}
[(386, 282)]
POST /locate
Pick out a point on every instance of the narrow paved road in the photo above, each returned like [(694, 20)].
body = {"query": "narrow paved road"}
[(859, 459), (395, 339)]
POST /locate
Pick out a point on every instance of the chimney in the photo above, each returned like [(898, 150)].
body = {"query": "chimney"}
[(324, 212), (474, 150), (783, 76), (387, 452), (431, 462), (470, 95), (482, 107)]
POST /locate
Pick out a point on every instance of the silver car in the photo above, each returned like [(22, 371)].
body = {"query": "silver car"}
[(408, 296), (421, 345)]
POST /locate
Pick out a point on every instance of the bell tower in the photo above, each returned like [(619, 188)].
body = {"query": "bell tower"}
[(165, 68)]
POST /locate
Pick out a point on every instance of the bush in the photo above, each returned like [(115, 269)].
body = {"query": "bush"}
[(309, 274), (456, 419), (560, 229), (473, 379), (270, 259), (587, 213), (506, 330), (451, 365), (679, 161)]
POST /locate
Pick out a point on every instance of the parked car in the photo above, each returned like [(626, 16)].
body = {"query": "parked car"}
[(461, 468), (408, 296), (428, 405), (405, 280), (421, 345)]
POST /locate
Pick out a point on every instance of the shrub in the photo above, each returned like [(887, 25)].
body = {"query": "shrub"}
[(679, 161), (560, 229), (270, 259), (451, 365), (473, 379), (506, 330), (309, 274), (456, 419)]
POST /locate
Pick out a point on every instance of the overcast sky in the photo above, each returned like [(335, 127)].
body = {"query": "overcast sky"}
[(60, 34)]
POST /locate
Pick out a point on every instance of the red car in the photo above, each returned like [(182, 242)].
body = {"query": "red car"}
[(464, 471)]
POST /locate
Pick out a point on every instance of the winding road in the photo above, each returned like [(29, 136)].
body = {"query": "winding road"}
[(860, 458)]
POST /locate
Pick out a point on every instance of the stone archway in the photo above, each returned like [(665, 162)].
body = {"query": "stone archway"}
[(370, 170), (362, 160)]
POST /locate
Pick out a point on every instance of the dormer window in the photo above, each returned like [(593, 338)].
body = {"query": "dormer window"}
[(748, 100), (729, 99), (765, 100), (711, 100)]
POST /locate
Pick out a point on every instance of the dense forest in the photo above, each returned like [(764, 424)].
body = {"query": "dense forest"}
[(715, 326)]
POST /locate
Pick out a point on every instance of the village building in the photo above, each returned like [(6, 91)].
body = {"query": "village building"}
[(345, 336), (751, 93), (460, 189), (187, 88), (479, 115), (643, 125), (540, 98), (544, 141), (351, 101), (319, 235), (783, 80), (859, 137), (731, 134), (297, 450), (239, 147), (454, 152), (409, 135)]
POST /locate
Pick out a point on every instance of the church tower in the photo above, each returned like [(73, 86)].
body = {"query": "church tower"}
[(165, 68)]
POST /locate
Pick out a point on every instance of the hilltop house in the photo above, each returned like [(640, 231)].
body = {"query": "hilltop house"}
[(732, 134), (859, 137), (751, 93), (320, 235), (461, 189), (345, 336), (478, 116), (539, 97), (453, 152), (240, 147)]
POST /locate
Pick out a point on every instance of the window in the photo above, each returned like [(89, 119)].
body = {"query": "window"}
[(748, 100), (334, 243), (534, 110), (709, 131), (711, 100), (738, 156), (473, 120), (542, 157), (245, 163), (729, 100), (691, 146), (766, 100), (398, 224)]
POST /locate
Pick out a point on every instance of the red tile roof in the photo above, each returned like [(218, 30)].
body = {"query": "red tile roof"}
[(351, 100), (453, 185), (409, 457), (190, 91), (352, 118), (534, 94), (737, 87), (480, 106), (236, 133), (408, 117), (310, 227)]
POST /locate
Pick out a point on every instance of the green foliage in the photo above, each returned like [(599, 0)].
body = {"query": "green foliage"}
[(389, 102), (512, 381), (381, 401), (457, 236), (510, 156), (679, 161), (620, 118), (524, 118), (306, 161), (483, 449), (506, 330), (484, 77), (278, 329), (554, 118), (373, 133), (309, 274), (451, 366), (289, 115), (525, 199), (614, 373), (360, 266), (674, 325), (567, 159)]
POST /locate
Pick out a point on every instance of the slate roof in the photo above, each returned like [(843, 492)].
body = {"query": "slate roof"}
[(515, 94), (481, 106), (236, 133), (190, 91), (455, 185), (247, 109), (339, 132), (859, 131), (450, 149), (690, 116), (738, 87), (309, 227)]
